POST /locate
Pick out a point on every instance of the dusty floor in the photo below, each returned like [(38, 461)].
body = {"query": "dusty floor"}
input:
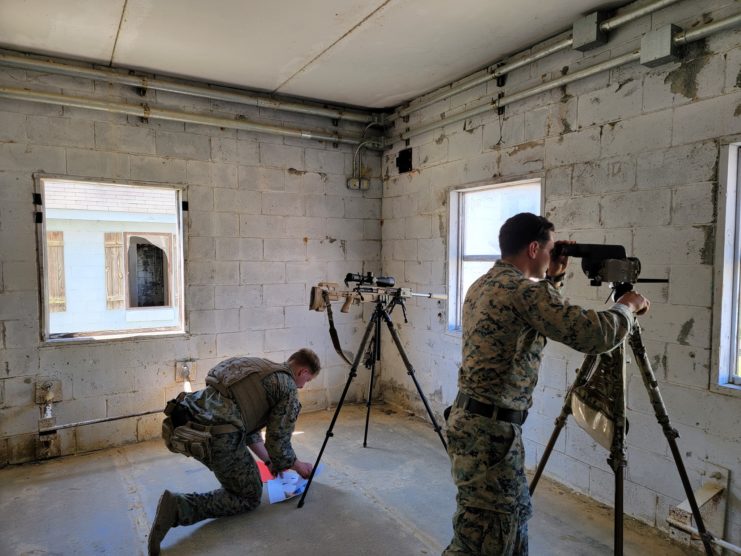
[(393, 498)]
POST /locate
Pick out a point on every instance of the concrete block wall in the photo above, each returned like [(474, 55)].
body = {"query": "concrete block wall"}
[(628, 156), (269, 217)]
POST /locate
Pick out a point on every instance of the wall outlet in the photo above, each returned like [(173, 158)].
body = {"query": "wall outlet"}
[(353, 183), (185, 369), (48, 389)]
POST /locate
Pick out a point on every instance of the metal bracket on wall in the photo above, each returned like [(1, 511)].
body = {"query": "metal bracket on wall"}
[(48, 391)]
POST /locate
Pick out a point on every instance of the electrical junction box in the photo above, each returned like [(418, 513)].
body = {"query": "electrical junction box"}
[(185, 370), (658, 48), (586, 32)]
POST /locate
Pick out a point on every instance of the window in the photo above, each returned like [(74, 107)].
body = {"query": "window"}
[(727, 325), (112, 257), (475, 218)]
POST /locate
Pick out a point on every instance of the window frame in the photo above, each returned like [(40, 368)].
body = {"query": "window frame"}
[(724, 376), (456, 223), (179, 255)]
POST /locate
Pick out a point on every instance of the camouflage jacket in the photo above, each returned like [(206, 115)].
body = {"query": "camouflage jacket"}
[(211, 408), (506, 319)]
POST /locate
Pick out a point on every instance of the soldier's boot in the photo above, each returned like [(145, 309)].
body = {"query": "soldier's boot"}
[(165, 518)]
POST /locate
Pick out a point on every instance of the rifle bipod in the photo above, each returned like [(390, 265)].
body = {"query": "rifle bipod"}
[(614, 362), (373, 332)]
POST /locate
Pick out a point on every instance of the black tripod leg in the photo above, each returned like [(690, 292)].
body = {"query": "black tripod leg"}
[(618, 458), (375, 357), (410, 372), (584, 370), (352, 375), (652, 387)]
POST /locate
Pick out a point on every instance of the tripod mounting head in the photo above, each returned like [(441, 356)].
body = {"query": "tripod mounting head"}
[(605, 263)]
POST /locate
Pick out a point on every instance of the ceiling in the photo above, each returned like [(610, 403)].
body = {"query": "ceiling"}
[(368, 53)]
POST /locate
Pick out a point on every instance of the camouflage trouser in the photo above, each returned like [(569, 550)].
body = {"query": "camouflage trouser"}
[(236, 470), (487, 464)]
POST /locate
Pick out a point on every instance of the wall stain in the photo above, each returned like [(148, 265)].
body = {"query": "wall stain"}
[(330, 239), (685, 332), (707, 250), (621, 85), (524, 147), (683, 80), (295, 172), (737, 112)]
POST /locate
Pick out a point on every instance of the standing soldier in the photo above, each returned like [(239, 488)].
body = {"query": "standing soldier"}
[(507, 315), (218, 424)]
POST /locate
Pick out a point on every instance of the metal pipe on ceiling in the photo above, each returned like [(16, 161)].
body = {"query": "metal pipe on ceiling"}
[(173, 86), (563, 44), (144, 111), (683, 37)]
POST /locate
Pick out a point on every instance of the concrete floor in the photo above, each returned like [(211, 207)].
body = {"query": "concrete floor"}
[(393, 498)]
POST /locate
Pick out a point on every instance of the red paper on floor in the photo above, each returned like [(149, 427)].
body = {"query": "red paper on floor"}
[(265, 474)]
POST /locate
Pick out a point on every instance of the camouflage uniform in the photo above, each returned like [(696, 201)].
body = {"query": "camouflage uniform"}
[(506, 319), (231, 460)]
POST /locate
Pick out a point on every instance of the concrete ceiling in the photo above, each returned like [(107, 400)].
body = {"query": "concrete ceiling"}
[(369, 53)]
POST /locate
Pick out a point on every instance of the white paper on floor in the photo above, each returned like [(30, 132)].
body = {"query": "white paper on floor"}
[(288, 484)]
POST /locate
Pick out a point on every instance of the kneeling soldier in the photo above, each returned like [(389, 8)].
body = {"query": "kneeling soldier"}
[(218, 424)]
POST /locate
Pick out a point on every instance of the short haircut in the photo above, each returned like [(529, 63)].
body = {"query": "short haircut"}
[(521, 230), (306, 358)]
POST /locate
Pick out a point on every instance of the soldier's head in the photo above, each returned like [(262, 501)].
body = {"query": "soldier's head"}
[(304, 365), (526, 240)]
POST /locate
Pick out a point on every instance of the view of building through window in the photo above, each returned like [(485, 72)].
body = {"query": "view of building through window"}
[(112, 259), (476, 216)]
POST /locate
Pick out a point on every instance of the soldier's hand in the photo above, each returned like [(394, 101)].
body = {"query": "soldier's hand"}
[(558, 264), (302, 468), (635, 302)]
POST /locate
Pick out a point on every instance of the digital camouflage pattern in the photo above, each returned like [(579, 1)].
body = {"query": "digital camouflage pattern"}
[(231, 460), (506, 319)]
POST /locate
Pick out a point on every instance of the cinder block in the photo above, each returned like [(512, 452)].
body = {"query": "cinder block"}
[(231, 297), (280, 295), (574, 213), (285, 249), (607, 175), (18, 305), (200, 297), (212, 224), (205, 273), (225, 175), (200, 248), (32, 158), (183, 145), (260, 226), (239, 344), (257, 178), (262, 272), (150, 168), (680, 324), (637, 208), (618, 101), (361, 207), (344, 228), (264, 318), (306, 227), (282, 204), (12, 127), (19, 276), (198, 173), (213, 322), (124, 138), (688, 365), (327, 161), (237, 200), (674, 245), (248, 152), (523, 159), (686, 164), (371, 229), (326, 250), (239, 249), (21, 333), (577, 146), (281, 156), (558, 182), (691, 285), (102, 435), (363, 250), (224, 149), (288, 339), (640, 134), (569, 471), (332, 206), (507, 131)]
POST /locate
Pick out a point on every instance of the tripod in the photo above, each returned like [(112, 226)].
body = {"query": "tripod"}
[(381, 314), (609, 365)]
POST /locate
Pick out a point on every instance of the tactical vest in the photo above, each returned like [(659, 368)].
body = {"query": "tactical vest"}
[(240, 379)]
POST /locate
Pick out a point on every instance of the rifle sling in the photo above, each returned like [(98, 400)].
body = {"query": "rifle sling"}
[(333, 331)]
